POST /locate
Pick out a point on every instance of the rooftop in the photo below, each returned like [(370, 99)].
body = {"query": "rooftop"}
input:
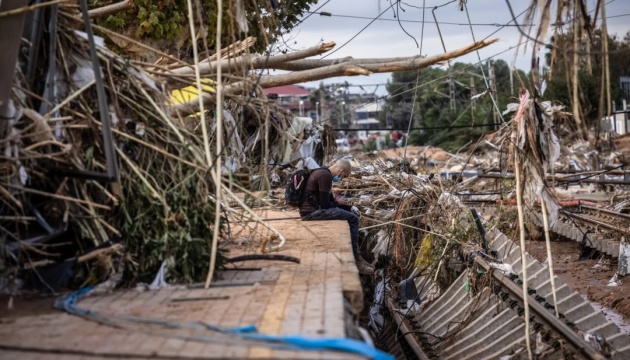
[(288, 90)]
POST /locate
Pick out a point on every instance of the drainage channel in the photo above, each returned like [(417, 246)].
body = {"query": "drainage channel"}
[(481, 316)]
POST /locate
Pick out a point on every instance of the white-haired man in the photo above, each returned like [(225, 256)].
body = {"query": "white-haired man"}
[(321, 205)]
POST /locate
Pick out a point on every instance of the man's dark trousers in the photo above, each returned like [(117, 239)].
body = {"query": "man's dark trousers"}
[(339, 214)]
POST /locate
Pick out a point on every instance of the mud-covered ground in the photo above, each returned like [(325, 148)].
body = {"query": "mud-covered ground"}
[(587, 277)]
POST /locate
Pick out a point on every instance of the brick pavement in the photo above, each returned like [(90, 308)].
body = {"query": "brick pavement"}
[(281, 299)]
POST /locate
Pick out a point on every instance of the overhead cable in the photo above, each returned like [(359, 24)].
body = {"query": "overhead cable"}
[(357, 34), (485, 79), (385, 97)]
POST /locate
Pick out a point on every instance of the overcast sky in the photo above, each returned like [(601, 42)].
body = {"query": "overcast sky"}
[(385, 38)]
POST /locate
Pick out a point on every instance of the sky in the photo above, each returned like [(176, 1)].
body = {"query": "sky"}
[(386, 38)]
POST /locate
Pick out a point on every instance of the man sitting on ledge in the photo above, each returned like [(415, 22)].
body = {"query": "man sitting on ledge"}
[(320, 205)]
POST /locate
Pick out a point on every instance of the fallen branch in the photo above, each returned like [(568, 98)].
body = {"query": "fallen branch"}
[(254, 61), (298, 77), (29, 8), (59, 197), (347, 68), (307, 64), (99, 252), (230, 51), (111, 9)]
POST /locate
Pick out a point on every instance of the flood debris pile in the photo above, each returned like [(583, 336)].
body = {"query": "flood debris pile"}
[(425, 231), (413, 223), (62, 196), (126, 157), (55, 189)]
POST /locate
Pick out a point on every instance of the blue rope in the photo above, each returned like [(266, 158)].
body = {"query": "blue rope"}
[(68, 303)]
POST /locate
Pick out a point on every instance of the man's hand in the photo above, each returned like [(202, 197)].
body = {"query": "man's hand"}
[(356, 211), (340, 199)]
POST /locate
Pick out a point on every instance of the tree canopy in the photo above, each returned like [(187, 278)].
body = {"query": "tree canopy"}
[(164, 23), (589, 77), (453, 130), (442, 126)]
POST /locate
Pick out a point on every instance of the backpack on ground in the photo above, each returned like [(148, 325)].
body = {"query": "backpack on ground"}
[(295, 189)]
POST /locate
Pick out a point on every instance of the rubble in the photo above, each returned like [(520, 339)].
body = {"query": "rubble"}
[(72, 213)]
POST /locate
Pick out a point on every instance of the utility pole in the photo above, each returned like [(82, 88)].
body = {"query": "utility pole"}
[(493, 88), (473, 92), (323, 105), (512, 81), (451, 93), (473, 102)]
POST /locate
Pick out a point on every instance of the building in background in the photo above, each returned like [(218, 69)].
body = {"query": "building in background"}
[(295, 99), (367, 119), (624, 84), (352, 114), (618, 122)]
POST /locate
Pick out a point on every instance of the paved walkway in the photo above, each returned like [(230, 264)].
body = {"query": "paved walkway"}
[(281, 299)]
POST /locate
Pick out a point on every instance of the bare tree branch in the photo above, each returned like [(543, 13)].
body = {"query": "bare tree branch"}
[(111, 9), (269, 81), (254, 61), (307, 64)]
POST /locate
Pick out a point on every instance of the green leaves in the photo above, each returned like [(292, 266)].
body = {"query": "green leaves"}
[(430, 90), (167, 19), (115, 22), (153, 234)]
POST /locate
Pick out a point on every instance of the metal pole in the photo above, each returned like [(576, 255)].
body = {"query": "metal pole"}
[(108, 141), (10, 38)]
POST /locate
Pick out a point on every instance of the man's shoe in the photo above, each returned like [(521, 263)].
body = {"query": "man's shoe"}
[(364, 267)]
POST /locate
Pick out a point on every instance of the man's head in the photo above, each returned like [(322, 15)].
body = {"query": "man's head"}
[(340, 169)]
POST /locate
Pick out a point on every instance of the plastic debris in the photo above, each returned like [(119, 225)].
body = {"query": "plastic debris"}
[(377, 321), (504, 268), (160, 278), (624, 258)]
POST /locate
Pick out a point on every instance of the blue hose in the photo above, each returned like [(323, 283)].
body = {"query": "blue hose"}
[(68, 303)]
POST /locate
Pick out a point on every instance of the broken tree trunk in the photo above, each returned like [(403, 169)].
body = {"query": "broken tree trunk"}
[(339, 67)]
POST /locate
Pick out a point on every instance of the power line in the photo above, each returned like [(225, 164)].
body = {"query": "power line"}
[(357, 34), (311, 13), (616, 16), (415, 95), (327, 14), (421, 128), (440, 78), (397, 16), (385, 97), (485, 79)]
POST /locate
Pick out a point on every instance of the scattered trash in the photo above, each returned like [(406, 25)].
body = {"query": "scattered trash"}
[(506, 269), (160, 278), (597, 341), (614, 281), (409, 294), (624, 257), (377, 321)]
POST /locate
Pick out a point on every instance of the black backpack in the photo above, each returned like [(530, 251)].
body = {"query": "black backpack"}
[(295, 189)]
